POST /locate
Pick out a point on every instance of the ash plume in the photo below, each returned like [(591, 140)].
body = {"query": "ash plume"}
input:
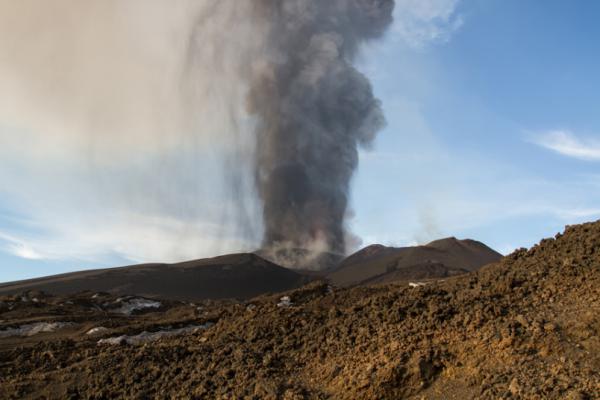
[(164, 130), (314, 110)]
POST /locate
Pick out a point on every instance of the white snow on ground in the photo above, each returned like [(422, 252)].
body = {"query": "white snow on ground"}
[(136, 304), (285, 301), (146, 337), (34, 329), (97, 331), (416, 284)]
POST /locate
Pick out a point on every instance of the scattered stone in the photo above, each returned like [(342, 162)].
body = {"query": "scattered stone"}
[(285, 301), (550, 327), (522, 320), (514, 387), (97, 331)]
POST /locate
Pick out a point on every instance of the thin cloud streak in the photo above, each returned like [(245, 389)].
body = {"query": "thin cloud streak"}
[(20, 248), (137, 238), (567, 144)]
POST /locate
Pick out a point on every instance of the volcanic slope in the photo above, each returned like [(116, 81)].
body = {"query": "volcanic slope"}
[(438, 259), (524, 328), (233, 276)]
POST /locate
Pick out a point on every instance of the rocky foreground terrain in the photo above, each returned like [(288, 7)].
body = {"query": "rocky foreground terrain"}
[(524, 328)]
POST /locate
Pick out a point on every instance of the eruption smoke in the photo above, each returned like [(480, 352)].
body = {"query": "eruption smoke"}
[(314, 109), (163, 130)]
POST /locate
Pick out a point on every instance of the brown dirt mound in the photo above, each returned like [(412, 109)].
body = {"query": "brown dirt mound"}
[(524, 328)]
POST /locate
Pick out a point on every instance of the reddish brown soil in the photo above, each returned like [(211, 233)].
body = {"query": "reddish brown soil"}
[(524, 328)]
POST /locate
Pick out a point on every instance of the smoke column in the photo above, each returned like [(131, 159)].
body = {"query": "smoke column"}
[(314, 110), (165, 130)]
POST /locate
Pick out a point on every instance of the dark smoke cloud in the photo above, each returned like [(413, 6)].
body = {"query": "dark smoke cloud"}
[(129, 122), (314, 110)]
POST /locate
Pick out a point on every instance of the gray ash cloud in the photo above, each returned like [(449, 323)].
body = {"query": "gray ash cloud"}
[(314, 111)]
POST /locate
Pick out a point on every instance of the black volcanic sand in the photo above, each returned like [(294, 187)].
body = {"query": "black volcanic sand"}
[(438, 259), (524, 328), (240, 276)]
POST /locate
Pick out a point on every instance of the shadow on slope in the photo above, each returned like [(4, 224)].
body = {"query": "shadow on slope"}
[(239, 276)]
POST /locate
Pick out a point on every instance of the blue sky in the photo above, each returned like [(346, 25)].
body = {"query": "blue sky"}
[(492, 134), (492, 131)]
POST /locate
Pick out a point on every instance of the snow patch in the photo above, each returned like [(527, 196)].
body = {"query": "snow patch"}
[(97, 331), (285, 301), (34, 329), (146, 337), (135, 304), (416, 284)]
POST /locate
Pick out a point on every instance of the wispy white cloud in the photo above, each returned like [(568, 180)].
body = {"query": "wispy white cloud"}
[(576, 213), (134, 237), (568, 144), (20, 248), (422, 22)]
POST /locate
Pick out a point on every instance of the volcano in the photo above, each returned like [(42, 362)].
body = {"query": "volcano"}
[(246, 275), (438, 259)]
